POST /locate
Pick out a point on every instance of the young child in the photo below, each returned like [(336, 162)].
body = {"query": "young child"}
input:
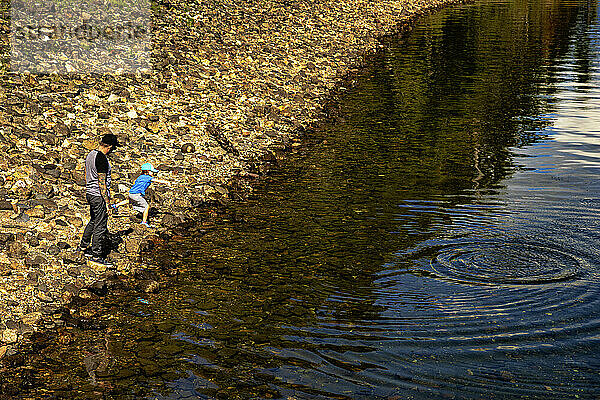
[(137, 192)]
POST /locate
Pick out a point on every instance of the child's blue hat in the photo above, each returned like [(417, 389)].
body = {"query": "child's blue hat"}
[(148, 167)]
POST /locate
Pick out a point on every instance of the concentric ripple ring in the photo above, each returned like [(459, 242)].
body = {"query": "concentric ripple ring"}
[(506, 263)]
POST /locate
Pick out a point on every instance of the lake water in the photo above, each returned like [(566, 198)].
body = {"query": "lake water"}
[(439, 240)]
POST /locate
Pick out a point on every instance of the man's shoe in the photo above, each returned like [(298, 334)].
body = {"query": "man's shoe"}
[(87, 252), (102, 261)]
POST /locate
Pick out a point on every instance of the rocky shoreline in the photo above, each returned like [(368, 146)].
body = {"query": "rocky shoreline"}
[(234, 85)]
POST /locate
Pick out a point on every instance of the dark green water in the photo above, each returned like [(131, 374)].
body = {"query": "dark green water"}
[(439, 241)]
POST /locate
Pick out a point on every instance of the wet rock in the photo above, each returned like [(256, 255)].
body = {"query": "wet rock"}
[(6, 238), (22, 217), (99, 288), (63, 245), (10, 336), (3, 351), (188, 148), (16, 250), (148, 286), (34, 276), (36, 212), (45, 297), (61, 129), (222, 139), (171, 220), (32, 319), (52, 250), (35, 260)]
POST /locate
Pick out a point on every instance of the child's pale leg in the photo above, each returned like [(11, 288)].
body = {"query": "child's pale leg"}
[(122, 203), (145, 215)]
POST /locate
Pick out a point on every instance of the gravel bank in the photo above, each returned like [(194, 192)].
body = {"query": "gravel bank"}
[(234, 83)]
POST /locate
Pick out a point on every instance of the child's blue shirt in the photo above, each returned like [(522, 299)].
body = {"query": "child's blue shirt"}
[(141, 184)]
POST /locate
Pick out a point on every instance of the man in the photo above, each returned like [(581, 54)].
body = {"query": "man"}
[(97, 194)]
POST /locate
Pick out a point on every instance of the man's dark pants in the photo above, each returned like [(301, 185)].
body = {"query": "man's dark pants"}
[(95, 230)]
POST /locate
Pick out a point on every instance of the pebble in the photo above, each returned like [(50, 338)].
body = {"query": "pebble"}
[(10, 336)]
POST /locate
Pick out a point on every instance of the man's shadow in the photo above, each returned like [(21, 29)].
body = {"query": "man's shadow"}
[(114, 239)]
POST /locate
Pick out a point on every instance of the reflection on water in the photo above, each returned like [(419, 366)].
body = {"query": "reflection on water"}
[(440, 240)]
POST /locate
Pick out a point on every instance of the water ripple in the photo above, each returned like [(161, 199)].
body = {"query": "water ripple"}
[(506, 263)]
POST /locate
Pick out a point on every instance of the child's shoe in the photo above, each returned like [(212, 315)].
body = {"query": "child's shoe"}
[(114, 208), (147, 225)]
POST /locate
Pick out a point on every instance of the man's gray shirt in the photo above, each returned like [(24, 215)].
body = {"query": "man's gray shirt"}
[(96, 163)]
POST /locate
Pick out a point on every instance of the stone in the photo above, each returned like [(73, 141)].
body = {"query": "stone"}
[(221, 190), (90, 144), (32, 319), (6, 238), (34, 276), (45, 297), (63, 245), (75, 221), (33, 241), (16, 250), (10, 336), (36, 260), (132, 245), (47, 236), (79, 179), (188, 148), (148, 286), (47, 203), (61, 129), (99, 288), (53, 250), (23, 217), (54, 173), (36, 212), (171, 220)]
